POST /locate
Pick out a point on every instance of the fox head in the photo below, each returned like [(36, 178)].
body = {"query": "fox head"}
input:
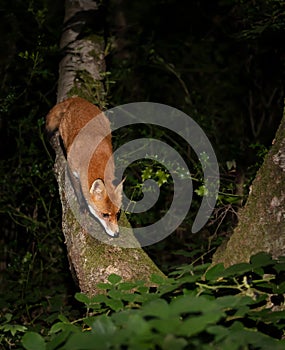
[(105, 203)]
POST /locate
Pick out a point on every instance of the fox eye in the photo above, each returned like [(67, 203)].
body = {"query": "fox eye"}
[(105, 215)]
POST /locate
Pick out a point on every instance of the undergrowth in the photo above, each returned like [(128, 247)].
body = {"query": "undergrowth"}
[(196, 307)]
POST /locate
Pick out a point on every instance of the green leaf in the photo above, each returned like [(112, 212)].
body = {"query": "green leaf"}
[(237, 269), (201, 191), (166, 326), (243, 337), (158, 308), (129, 297), (269, 316), (104, 325), (261, 260), (13, 328), (115, 294), (104, 286), (197, 324), (63, 319), (279, 289), (57, 327), (162, 177), (147, 173), (215, 272), (33, 341), (193, 304), (201, 268), (121, 319), (18, 328), (114, 279), (241, 311), (87, 341), (158, 279), (279, 267), (171, 342), (126, 286), (167, 288), (83, 298), (58, 340), (234, 301), (115, 304), (64, 327), (8, 317), (143, 289), (139, 326), (100, 298), (219, 332)]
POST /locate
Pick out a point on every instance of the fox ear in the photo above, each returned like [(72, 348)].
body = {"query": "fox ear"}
[(119, 189), (98, 189)]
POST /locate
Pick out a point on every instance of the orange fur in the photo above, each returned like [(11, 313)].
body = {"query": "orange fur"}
[(104, 200)]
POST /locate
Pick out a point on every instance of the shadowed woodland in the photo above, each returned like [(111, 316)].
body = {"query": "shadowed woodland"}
[(220, 62)]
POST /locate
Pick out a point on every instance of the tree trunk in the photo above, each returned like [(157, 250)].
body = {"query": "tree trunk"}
[(80, 73), (261, 224)]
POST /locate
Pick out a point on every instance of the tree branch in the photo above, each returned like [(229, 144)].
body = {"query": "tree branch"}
[(81, 70)]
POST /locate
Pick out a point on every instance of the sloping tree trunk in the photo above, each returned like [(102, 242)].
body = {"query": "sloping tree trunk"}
[(261, 224), (81, 71)]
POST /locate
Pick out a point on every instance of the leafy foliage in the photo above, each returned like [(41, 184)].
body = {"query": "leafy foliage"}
[(226, 309), (31, 247)]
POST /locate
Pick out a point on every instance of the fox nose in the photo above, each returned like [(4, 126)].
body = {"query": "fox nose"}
[(113, 234), (116, 234), (115, 230)]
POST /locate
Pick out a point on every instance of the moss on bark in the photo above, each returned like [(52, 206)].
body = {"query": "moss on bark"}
[(91, 261), (261, 224)]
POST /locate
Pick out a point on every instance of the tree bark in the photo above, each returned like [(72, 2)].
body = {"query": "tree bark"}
[(80, 73), (261, 224)]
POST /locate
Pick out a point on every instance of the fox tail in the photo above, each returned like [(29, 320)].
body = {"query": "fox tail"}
[(53, 119)]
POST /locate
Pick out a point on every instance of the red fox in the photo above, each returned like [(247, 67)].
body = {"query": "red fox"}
[(104, 199)]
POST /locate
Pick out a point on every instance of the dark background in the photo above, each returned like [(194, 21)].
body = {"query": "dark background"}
[(221, 62)]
